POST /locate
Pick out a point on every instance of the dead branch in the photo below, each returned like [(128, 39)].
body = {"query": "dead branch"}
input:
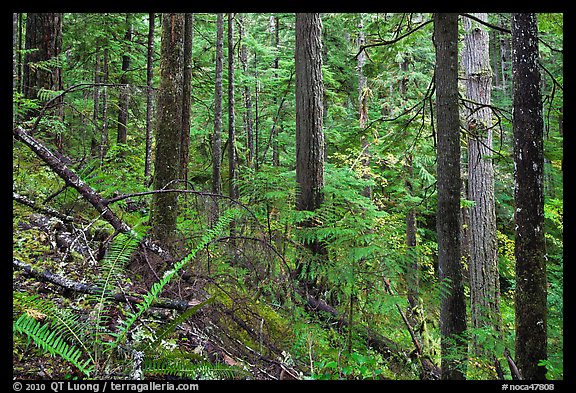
[(516, 375), (75, 286), (73, 180), (42, 209)]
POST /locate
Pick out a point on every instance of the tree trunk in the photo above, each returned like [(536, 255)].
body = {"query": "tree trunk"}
[(15, 76), (232, 159), (504, 56), (363, 94), (452, 307), (483, 266), (104, 133), (186, 97), (149, 99), (309, 109), (124, 90), (275, 41), (216, 139), (247, 97), (44, 45), (529, 250), (168, 127), (95, 145)]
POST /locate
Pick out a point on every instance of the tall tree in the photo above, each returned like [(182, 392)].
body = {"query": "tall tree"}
[(309, 109), (104, 139), (217, 135), (363, 95), (168, 127), (149, 97), (453, 307), (42, 69), (186, 97), (275, 43), (232, 159), (529, 250), (483, 264), (123, 100), (246, 93)]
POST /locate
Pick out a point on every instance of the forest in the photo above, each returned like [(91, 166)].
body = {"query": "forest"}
[(287, 196)]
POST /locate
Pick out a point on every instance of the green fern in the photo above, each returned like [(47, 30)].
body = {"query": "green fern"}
[(157, 287), (51, 342), (186, 368), (112, 270), (62, 320)]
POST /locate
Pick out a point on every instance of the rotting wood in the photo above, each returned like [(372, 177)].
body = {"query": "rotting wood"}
[(388, 348), (73, 180), (42, 209), (75, 286)]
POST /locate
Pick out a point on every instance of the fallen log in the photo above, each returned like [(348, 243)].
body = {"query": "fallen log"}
[(75, 286), (387, 348), (73, 180), (42, 209)]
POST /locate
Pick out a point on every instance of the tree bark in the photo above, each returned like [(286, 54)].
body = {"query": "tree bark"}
[(529, 250), (309, 133), (43, 45), (168, 127), (149, 99), (452, 307), (104, 140), (186, 97), (216, 139), (483, 263), (247, 97), (232, 159), (363, 95), (124, 97), (275, 42)]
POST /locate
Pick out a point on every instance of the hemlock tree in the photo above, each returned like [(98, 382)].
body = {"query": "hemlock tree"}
[(149, 97), (217, 135), (452, 307), (529, 249), (168, 127), (42, 70), (309, 109), (186, 97), (483, 263), (123, 100), (232, 159)]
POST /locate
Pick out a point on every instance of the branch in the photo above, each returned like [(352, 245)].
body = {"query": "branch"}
[(87, 192), (75, 286), (495, 27), (43, 209), (389, 42), (516, 375)]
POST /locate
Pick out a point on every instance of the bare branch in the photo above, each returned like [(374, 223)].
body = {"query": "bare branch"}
[(75, 286)]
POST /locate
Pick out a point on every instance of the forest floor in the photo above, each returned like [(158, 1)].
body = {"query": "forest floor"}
[(233, 331)]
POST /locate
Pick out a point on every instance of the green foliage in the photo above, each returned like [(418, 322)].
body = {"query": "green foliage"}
[(154, 292), (365, 238), (179, 366), (94, 338), (51, 342)]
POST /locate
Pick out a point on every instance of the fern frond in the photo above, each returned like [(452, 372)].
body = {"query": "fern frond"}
[(51, 342), (62, 321), (112, 270), (157, 287)]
